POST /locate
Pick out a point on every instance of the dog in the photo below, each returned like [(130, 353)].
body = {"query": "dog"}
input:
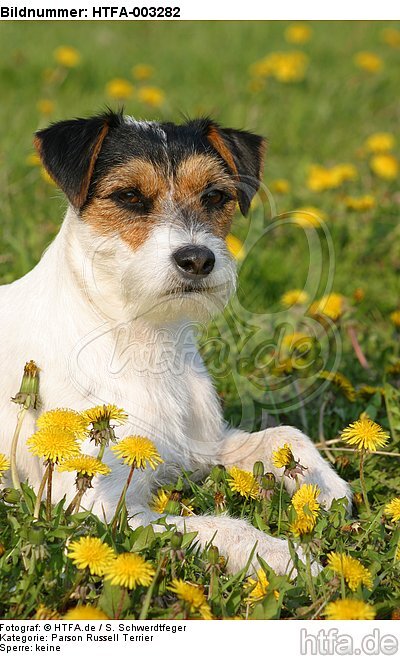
[(107, 313)]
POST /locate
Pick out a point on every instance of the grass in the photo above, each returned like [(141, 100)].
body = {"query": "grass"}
[(323, 119)]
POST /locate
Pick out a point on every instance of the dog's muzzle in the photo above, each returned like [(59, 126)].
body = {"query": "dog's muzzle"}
[(194, 262)]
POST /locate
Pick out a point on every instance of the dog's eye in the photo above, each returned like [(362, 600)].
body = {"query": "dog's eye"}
[(130, 198), (215, 198)]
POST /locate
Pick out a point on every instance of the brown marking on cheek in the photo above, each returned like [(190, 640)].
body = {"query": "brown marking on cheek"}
[(108, 218), (194, 175), (216, 140)]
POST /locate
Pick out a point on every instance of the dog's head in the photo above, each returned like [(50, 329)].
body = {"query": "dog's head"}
[(163, 197)]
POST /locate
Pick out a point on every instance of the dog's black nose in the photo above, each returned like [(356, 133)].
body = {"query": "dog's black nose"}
[(194, 260)]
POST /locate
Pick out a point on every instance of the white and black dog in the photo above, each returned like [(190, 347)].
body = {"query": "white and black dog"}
[(105, 314)]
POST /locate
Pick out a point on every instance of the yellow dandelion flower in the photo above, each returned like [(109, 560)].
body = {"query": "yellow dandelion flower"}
[(119, 88), (105, 413), (53, 444), (138, 451), (380, 142), (4, 463), (85, 612), (67, 56), (391, 37), (303, 524), (365, 434), (360, 203), (294, 297), (84, 464), (298, 33), (349, 609), (308, 217), (368, 61), (193, 597), (258, 588), (243, 483), (129, 570), (159, 501), (142, 71), (385, 166), (321, 178), (331, 306), (65, 420), (235, 247), (296, 340), (353, 572), (283, 66), (345, 172), (92, 553), (290, 67), (283, 456), (395, 318), (33, 159), (393, 509), (152, 96), (280, 186), (45, 106), (341, 382), (304, 500)]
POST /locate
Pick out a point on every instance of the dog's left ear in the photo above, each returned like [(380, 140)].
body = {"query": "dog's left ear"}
[(243, 152), (69, 150)]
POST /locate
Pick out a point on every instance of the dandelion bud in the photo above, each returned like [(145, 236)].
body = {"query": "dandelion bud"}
[(28, 395), (173, 507), (11, 495), (176, 540), (213, 555), (268, 481), (217, 473), (258, 469), (36, 535)]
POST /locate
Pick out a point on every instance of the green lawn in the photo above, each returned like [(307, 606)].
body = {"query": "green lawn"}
[(323, 118)]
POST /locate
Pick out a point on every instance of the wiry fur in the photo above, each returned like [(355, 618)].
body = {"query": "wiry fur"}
[(101, 322)]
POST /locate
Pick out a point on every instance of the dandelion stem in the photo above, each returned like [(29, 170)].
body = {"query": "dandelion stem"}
[(120, 604), (101, 451), (309, 577), (280, 505), (362, 483), (150, 590), (75, 503), (50, 468), (351, 331), (39, 495), (121, 501), (14, 444)]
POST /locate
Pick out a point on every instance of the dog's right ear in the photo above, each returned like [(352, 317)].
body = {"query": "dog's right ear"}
[(69, 150)]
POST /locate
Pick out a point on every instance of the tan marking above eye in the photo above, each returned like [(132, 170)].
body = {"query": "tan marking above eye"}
[(135, 174)]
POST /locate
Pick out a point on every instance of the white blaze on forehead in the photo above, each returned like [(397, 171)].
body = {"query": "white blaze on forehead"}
[(147, 125)]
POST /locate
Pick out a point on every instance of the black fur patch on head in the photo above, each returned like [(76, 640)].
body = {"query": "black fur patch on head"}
[(69, 150), (79, 152)]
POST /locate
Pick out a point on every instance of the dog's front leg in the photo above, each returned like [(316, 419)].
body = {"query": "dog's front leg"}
[(235, 539), (244, 449)]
